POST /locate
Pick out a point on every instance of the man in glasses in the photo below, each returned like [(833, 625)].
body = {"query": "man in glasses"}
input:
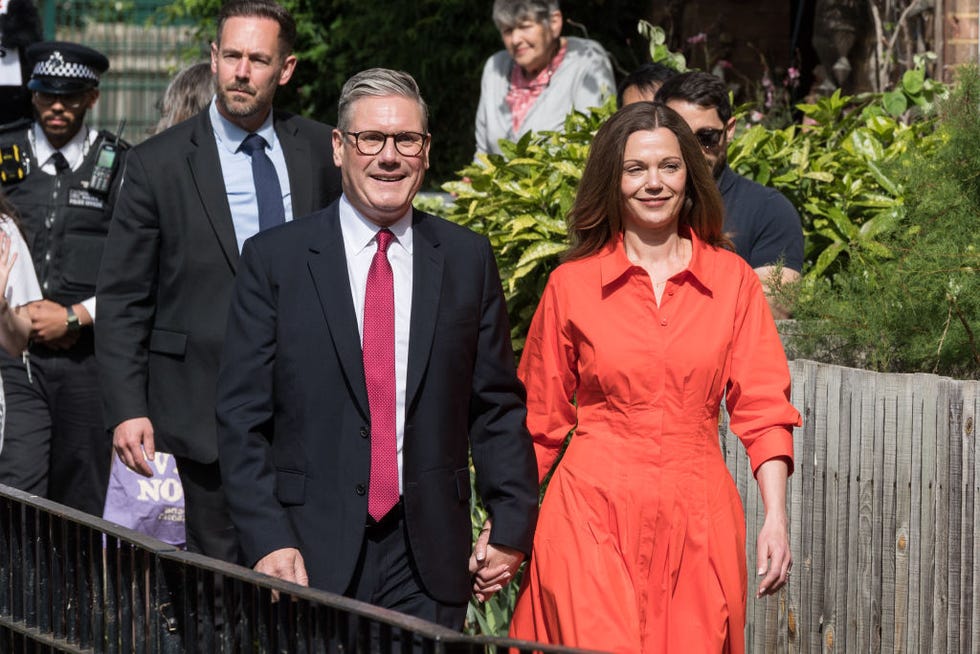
[(191, 196), (764, 226), (358, 375), (61, 177)]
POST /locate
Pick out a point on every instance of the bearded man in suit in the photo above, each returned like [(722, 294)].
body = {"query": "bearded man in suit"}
[(367, 357), (191, 196)]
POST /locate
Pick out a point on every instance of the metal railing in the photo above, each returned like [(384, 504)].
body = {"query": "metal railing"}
[(70, 582)]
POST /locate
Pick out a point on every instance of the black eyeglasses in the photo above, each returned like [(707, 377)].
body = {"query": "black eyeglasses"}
[(370, 142), (70, 101), (709, 139)]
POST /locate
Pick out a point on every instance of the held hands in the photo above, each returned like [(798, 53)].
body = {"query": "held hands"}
[(492, 566), (773, 556), (49, 324), (131, 439)]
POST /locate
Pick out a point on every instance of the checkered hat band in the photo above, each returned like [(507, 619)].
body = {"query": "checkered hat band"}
[(56, 66)]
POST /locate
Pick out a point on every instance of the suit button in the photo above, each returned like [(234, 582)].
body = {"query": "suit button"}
[(359, 489), (365, 432)]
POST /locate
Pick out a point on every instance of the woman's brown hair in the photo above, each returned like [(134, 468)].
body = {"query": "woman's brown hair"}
[(596, 216)]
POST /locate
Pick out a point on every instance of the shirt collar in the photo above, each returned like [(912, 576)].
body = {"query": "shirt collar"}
[(359, 232), (614, 264), (230, 136), (73, 151)]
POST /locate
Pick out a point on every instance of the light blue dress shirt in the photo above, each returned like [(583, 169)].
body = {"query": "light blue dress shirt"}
[(236, 170)]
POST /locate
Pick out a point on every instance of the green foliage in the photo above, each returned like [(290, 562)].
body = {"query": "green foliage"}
[(919, 308), (520, 199), (834, 168), (659, 51)]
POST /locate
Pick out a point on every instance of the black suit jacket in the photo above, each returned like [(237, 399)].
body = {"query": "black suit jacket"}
[(167, 273), (293, 417)]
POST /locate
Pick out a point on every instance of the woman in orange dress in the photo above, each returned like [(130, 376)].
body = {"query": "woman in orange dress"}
[(640, 543)]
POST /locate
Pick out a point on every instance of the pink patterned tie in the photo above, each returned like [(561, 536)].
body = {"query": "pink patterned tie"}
[(378, 351)]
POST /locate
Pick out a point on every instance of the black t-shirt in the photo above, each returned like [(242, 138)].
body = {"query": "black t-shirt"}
[(764, 226)]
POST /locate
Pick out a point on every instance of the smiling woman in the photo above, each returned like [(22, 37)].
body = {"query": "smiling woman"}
[(640, 543), (539, 77)]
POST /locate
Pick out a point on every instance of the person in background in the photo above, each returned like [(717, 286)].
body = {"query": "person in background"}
[(18, 283), (640, 333), (63, 191), (20, 27), (764, 225), (191, 196), (539, 77), (367, 358), (18, 287), (643, 83), (188, 93)]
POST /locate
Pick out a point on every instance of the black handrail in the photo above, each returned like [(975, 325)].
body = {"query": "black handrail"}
[(70, 582)]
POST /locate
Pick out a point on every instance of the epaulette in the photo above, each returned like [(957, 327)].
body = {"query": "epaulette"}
[(15, 159)]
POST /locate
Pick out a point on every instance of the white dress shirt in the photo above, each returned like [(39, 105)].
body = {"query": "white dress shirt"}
[(360, 244)]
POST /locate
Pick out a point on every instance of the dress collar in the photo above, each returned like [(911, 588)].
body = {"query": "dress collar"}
[(614, 264)]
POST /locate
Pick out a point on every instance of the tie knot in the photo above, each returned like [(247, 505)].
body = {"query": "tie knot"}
[(252, 144), (60, 163), (385, 238)]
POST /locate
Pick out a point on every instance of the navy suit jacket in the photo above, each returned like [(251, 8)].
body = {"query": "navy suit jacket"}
[(167, 273), (293, 417)]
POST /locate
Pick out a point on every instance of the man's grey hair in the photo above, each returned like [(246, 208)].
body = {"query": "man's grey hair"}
[(510, 13), (378, 82)]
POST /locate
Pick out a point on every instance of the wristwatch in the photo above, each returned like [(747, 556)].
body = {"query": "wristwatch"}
[(72, 321)]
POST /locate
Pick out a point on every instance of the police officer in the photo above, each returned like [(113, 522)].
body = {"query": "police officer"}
[(62, 185)]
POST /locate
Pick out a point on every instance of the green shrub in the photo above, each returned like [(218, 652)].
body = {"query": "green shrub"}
[(834, 168), (520, 199), (918, 309)]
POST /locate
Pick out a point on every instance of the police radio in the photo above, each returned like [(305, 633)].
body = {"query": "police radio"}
[(105, 163)]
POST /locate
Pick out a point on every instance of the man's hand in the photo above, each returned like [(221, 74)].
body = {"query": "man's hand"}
[(131, 439), (492, 566), (286, 564), (49, 323)]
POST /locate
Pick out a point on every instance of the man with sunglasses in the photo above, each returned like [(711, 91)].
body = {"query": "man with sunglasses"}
[(358, 375), (764, 226), (191, 196), (57, 177)]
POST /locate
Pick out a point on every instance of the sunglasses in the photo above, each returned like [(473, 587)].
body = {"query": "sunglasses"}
[(70, 101), (709, 139)]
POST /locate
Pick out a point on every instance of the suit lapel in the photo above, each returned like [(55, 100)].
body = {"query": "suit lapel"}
[(328, 267), (427, 264), (298, 166), (205, 165)]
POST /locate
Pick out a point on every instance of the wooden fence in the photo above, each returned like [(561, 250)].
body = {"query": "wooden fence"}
[(883, 516)]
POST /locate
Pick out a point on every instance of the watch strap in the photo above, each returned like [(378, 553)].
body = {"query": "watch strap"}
[(72, 320)]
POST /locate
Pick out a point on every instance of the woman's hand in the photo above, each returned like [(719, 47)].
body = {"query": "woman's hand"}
[(773, 557)]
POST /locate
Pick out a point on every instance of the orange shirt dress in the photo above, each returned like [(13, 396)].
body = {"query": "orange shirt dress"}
[(640, 543)]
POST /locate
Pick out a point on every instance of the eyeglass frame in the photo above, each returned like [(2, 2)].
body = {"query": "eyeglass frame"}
[(717, 136), (70, 101), (393, 137)]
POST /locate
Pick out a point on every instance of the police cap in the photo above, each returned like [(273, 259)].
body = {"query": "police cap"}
[(62, 67)]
